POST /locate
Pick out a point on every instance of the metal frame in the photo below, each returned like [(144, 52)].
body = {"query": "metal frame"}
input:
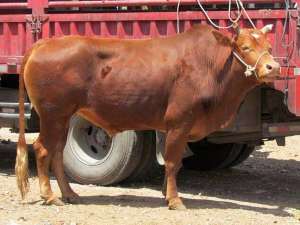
[(109, 3), (114, 3), (19, 31)]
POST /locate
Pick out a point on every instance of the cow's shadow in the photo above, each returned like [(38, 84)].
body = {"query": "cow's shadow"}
[(263, 185), (156, 202), (260, 182)]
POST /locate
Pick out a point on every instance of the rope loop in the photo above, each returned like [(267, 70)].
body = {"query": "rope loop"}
[(250, 70), (240, 10)]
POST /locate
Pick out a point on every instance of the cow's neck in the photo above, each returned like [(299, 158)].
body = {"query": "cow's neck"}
[(228, 74), (236, 80), (234, 87)]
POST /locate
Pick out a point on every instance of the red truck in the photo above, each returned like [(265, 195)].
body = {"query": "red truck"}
[(91, 156)]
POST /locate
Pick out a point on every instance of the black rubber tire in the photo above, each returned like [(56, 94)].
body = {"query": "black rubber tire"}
[(123, 156), (244, 154), (148, 166), (209, 156)]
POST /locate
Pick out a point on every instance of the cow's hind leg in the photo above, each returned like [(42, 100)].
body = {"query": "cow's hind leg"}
[(43, 161), (49, 147), (68, 195), (175, 145)]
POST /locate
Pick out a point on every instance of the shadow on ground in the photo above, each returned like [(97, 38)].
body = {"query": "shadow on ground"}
[(260, 180)]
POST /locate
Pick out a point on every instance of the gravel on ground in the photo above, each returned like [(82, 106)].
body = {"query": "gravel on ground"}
[(262, 190)]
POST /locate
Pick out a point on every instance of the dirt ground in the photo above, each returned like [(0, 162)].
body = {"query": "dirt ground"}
[(263, 190)]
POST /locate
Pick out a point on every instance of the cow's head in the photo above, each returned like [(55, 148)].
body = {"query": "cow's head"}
[(253, 46), (254, 49)]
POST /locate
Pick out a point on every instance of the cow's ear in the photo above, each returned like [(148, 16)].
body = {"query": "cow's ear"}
[(222, 39)]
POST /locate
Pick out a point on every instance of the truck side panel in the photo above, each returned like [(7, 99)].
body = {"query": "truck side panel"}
[(23, 22)]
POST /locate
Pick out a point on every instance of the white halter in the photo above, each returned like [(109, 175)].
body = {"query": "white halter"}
[(250, 70)]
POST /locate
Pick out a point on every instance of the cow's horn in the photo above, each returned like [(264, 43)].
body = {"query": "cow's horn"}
[(267, 28)]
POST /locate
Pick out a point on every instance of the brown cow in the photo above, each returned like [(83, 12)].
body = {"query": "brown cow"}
[(188, 85)]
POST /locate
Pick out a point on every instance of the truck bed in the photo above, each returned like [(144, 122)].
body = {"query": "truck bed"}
[(22, 22)]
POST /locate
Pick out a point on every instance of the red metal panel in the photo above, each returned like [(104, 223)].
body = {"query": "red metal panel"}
[(130, 25), (137, 32), (57, 29), (294, 106), (16, 5), (46, 30), (187, 24), (12, 38), (73, 28), (104, 29), (89, 29), (120, 30), (110, 3), (124, 25), (22, 39), (2, 43), (16, 36), (292, 92), (292, 37), (278, 49), (153, 29), (6, 38)]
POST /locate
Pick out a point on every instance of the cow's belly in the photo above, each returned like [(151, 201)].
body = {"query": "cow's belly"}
[(117, 118), (117, 106)]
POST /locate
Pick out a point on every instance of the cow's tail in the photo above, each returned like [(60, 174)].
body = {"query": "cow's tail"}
[(21, 167)]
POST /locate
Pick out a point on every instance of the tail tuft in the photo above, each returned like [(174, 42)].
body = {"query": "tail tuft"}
[(21, 167)]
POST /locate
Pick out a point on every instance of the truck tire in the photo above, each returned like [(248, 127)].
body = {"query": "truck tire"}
[(148, 166), (92, 157), (209, 156), (244, 154)]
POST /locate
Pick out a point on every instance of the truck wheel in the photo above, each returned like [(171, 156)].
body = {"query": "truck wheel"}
[(148, 166), (209, 156), (92, 157), (244, 154)]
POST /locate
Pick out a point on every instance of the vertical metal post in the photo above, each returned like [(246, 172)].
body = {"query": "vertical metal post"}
[(34, 22), (38, 6)]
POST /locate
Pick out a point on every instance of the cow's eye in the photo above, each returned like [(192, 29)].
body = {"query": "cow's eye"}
[(270, 50), (246, 48)]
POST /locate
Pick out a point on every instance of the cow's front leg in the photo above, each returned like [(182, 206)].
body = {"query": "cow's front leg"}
[(175, 145)]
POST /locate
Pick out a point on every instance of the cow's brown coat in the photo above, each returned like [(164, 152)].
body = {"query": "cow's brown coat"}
[(187, 85)]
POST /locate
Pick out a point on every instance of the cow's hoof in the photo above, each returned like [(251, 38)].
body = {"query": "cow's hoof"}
[(54, 201), (72, 199), (176, 204), (164, 191)]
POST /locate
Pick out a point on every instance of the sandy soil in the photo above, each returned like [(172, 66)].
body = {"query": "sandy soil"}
[(263, 190)]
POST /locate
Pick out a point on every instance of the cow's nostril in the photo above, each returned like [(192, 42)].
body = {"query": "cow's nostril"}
[(269, 67)]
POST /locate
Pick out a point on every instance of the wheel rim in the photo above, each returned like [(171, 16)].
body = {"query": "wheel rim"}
[(90, 144)]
